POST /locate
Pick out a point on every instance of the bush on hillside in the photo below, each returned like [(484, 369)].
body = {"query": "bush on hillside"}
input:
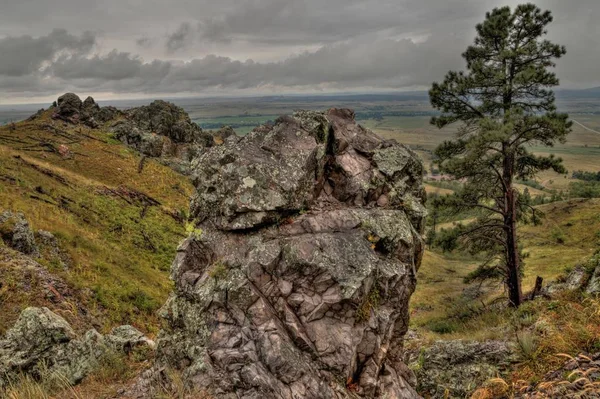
[(589, 189)]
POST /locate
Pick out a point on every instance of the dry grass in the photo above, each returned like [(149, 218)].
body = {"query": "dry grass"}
[(114, 373), (120, 252), (566, 333), (437, 190), (438, 309)]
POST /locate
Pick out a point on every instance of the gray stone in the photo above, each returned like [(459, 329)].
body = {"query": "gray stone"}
[(456, 368), (576, 278), (297, 281), (162, 130), (15, 231), (593, 287), (68, 107), (126, 338), (71, 109), (44, 345)]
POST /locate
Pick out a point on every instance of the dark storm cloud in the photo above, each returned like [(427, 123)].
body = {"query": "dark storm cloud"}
[(294, 22), (180, 38), (144, 42), (200, 46), (23, 55), (113, 66)]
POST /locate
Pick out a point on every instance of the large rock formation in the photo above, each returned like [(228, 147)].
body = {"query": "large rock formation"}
[(162, 130), (70, 108), (159, 130), (296, 280), (584, 277)]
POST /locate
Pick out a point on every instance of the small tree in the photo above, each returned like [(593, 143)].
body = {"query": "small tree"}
[(502, 104)]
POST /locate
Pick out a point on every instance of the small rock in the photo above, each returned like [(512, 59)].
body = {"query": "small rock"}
[(576, 278), (15, 231), (126, 338), (593, 287)]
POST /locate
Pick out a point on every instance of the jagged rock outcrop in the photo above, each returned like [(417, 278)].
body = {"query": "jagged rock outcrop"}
[(68, 107), (71, 109), (593, 286), (160, 130), (16, 233), (454, 369), (44, 345), (296, 281)]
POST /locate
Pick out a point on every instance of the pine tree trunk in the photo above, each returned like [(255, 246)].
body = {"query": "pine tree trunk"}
[(513, 278)]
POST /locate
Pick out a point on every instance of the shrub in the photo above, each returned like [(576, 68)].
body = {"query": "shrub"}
[(527, 344), (442, 326), (558, 236), (584, 189)]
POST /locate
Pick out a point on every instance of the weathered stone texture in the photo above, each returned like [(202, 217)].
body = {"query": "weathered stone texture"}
[(297, 280)]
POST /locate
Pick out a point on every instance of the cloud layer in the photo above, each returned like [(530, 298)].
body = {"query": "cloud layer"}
[(258, 46)]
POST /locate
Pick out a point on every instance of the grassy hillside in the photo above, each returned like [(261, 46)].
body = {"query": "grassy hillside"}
[(119, 226), (544, 333), (568, 235)]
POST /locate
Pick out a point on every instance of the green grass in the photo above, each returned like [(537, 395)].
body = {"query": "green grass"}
[(569, 234), (121, 250)]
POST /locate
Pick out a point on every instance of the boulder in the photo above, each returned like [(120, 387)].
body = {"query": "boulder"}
[(166, 119), (578, 279), (126, 338), (68, 107), (162, 130), (15, 231), (593, 286), (296, 280), (71, 109), (454, 369), (89, 111), (43, 345)]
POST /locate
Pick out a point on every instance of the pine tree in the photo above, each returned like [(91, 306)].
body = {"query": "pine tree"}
[(502, 104)]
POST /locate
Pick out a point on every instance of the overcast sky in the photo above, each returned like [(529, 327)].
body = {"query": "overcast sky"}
[(152, 48)]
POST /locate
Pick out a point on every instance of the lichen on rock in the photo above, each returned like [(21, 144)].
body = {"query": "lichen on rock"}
[(160, 130), (16, 232), (42, 343), (298, 285), (454, 369)]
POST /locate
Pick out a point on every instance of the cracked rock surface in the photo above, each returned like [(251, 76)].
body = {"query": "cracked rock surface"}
[(296, 280)]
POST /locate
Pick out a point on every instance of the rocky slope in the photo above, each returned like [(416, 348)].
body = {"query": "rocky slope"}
[(296, 281), (84, 230), (44, 345), (159, 130)]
